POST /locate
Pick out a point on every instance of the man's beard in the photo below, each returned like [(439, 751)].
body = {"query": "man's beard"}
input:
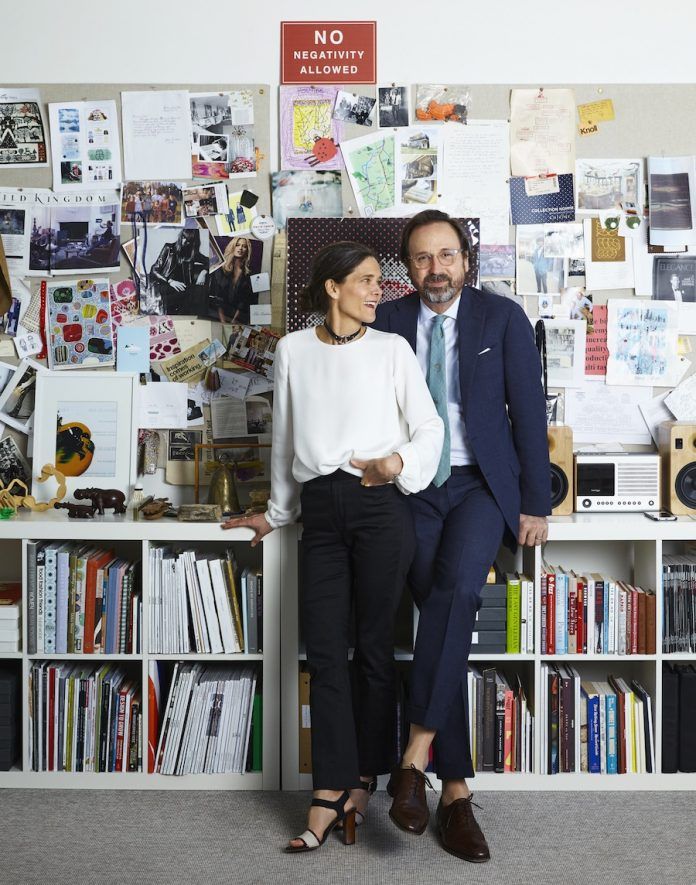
[(440, 296)]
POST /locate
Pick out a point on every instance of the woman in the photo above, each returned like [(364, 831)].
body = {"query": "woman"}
[(180, 272), (353, 426), (231, 295)]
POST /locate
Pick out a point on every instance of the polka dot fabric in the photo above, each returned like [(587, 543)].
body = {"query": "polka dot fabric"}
[(307, 235)]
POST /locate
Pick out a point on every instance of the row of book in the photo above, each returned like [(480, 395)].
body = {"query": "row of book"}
[(601, 727), (501, 723), (593, 614), (10, 616), (201, 602), (679, 596), (678, 717), (10, 717), (505, 619), (81, 600), (84, 718), (208, 720)]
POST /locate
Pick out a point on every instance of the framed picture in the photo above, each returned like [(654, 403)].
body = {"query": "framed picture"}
[(17, 393), (85, 426)]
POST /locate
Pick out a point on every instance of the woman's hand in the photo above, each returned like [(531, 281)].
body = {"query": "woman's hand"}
[(379, 471), (256, 522)]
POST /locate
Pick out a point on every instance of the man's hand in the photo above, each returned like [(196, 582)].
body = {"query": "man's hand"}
[(379, 471), (533, 530), (257, 523)]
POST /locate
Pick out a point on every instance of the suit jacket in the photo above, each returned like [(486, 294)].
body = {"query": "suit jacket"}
[(502, 396)]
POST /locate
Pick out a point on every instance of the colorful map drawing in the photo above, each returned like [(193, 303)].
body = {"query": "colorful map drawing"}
[(371, 168)]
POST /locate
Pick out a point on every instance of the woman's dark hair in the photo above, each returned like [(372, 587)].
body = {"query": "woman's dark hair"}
[(432, 216), (332, 262)]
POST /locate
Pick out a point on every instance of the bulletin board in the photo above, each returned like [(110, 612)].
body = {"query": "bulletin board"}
[(259, 184)]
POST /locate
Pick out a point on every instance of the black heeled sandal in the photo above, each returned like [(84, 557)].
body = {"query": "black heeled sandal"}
[(310, 839), (369, 787)]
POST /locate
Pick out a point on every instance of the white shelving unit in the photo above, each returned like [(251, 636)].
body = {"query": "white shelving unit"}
[(137, 538), (626, 545)]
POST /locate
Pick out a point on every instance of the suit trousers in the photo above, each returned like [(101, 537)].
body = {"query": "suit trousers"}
[(459, 528), (357, 546)]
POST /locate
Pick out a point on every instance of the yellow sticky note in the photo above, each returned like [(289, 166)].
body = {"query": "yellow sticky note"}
[(683, 345), (596, 112)]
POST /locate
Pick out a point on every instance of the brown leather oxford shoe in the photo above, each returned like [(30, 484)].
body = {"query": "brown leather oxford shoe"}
[(409, 810), (459, 832)]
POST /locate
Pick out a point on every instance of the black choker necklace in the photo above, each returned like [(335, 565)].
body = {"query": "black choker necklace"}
[(341, 339)]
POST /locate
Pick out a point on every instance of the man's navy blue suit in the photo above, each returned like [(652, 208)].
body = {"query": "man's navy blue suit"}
[(459, 526)]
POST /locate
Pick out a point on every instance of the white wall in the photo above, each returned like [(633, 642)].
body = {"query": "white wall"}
[(491, 41)]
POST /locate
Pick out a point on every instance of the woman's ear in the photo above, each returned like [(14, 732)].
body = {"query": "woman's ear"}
[(331, 289)]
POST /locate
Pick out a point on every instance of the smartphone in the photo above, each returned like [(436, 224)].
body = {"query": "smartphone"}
[(660, 515)]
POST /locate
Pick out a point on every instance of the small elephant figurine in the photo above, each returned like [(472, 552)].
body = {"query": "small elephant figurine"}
[(102, 498), (76, 511)]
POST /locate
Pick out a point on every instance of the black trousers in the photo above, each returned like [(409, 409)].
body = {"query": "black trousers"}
[(357, 547)]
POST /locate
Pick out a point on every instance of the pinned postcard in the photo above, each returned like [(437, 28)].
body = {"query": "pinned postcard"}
[(300, 193), (133, 349), (357, 109), (542, 208), (672, 199), (260, 282), (152, 202), (78, 321), (393, 106), (205, 199), (85, 145), (609, 185), (187, 365), (608, 258), (23, 130), (260, 315), (642, 342)]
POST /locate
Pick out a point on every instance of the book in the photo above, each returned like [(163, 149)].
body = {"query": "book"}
[(591, 698), (514, 606)]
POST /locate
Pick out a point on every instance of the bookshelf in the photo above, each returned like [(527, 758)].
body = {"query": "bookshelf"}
[(136, 539), (627, 546)]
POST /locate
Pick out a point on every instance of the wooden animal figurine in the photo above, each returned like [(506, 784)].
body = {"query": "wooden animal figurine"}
[(76, 511), (102, 498)]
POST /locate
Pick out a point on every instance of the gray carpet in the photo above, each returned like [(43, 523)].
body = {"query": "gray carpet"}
[(71, 837)]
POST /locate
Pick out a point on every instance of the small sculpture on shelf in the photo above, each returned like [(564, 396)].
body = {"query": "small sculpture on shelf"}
[(76, 511), (156, 508), (9, 498), (102, 498)]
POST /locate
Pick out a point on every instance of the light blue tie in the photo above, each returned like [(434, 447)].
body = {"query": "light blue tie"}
[(437, 384)]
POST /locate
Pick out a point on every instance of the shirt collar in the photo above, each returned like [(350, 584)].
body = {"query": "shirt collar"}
[(426, 314)]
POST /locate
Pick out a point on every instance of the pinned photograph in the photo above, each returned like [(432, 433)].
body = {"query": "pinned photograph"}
[(205, 199), (300, 193), (252, 349), (156, 202), (576, 304), (564, 240), (238, 217), (230, 290), (357, 109), (442, 104), (13, 464), (174, 277), (393, 106), (609, 185), (674, 278), (537, 274), (83, 236), (418, 167), (497, 262), (17, 391)]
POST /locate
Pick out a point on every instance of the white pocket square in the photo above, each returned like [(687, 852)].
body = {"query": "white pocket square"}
[(481, 352)]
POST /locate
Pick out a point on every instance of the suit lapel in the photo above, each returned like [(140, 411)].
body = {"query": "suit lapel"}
[(470, 320), (404, 320)]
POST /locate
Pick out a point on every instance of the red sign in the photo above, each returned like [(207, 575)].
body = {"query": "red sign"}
[(328, 52)]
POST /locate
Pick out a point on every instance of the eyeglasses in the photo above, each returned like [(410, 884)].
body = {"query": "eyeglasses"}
[(445, 257)]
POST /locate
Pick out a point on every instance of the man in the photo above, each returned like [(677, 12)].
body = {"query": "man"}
[(478, 353)]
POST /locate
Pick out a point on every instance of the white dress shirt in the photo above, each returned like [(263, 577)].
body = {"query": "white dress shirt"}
[(333, 403), (460, 451)]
